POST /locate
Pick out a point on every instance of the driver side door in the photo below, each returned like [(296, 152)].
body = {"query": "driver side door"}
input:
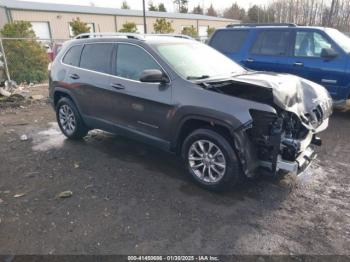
[(142, 107), (308, 63)]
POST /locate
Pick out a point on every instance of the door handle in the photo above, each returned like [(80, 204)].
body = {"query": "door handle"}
[(117, 86), (298, 64), (74, 76), (249, 60)]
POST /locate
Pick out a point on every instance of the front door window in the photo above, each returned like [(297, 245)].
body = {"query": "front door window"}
[(132, 61), (310, 44)]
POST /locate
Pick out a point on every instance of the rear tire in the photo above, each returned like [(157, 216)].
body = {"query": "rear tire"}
[(211, 160), (69, 119)]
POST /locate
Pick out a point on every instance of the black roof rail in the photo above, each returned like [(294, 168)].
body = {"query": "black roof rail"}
[(111, 34), (128, 35), (262, 24)]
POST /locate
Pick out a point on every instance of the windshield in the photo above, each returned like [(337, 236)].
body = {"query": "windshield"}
[(193, 60), (342, 40)]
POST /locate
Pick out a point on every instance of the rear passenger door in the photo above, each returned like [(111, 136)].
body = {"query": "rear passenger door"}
[(92, 81), (142, 107), (270, 51), (230, 43)]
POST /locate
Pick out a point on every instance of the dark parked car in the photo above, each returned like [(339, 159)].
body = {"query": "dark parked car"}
[(185, 97), (319, 54)]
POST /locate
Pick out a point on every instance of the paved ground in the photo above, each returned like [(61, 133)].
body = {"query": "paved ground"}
[(130, 198)]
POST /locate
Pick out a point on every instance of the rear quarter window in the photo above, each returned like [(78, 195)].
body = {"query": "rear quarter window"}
[(229, 41), (72, 56)]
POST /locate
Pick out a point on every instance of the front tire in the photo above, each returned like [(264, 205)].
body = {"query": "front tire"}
[(69, 119), (211, 160)]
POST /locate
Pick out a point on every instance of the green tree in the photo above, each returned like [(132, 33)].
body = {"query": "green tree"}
[(129, 27), (161, 7), (182, 5), (197, 10), (79, 27), (210, 31), (162, 26), (152, 7), (257, 15), (125, 5), (190, 31), (211, 11), (27, 59)]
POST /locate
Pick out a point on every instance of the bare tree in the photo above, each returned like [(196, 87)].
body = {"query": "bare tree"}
[(211, 11), (235, 12), (335, 13)]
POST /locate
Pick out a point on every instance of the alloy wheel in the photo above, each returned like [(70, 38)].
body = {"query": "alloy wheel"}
[(207, 161), (67, 119)]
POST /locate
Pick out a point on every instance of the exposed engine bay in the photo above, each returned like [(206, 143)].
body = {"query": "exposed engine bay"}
[(283, 140)]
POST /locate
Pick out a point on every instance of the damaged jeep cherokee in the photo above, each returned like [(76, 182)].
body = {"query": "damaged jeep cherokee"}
[(185, 97)]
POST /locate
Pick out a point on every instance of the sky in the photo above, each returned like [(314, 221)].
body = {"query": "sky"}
[(137, 4)]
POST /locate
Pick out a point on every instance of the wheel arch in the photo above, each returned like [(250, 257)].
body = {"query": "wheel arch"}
[(62, 92), (190, 123), (234, 132)]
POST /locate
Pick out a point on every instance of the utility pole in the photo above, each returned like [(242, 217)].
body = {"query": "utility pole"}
[(2, 50), (144, 17)]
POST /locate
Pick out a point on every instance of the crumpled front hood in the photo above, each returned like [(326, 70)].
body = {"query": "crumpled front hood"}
[(308, 100)]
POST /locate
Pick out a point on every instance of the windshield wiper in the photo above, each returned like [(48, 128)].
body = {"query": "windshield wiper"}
[(197, 77)]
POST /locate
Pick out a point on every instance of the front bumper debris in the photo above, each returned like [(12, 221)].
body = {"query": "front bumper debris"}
[(296, 167), (300, 164), (303, 160)]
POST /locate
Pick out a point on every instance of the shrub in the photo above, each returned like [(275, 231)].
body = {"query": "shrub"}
[(27, 59), (129, 28), (162, 26), (79, 27), (190, 31), (210, 31)]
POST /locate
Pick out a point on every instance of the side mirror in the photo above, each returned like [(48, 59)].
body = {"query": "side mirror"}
[(328, 53), (153, 76)]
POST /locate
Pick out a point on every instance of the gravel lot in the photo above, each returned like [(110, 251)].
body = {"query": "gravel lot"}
[(130, 198)]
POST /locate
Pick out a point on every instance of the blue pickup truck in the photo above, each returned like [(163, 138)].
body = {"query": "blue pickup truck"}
[(319, 54)]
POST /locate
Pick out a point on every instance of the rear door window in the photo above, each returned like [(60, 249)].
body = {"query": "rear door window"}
[(274, 43), (72, 57), (229, 41), (132, 61), (97, 57)]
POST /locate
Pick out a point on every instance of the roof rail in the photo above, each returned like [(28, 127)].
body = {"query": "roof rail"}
[(173, 35), (112, 34), (129, 35), (262, 24)]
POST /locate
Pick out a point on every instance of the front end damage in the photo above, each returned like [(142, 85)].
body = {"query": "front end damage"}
[(285, 140), (279, 143)]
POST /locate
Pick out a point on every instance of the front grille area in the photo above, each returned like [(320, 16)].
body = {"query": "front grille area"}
[(318, 112), (321, 112)]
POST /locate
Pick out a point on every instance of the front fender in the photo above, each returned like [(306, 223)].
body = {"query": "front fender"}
[(188, 113)]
